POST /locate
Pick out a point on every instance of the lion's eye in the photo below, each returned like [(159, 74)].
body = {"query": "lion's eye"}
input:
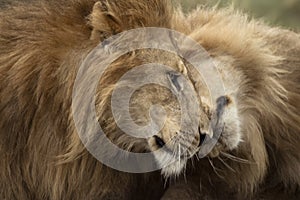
[(175, 79)]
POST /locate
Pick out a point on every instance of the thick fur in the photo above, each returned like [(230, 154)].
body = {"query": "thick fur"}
[(260, 67), (42, 44)]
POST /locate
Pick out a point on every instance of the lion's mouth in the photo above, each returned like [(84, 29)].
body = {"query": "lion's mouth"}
[(180, 150)]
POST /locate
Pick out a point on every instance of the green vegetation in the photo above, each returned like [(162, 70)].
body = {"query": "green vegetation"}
[(277, 12)]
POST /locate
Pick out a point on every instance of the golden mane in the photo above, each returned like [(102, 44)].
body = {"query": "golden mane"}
[(263, 65), (42, 45)]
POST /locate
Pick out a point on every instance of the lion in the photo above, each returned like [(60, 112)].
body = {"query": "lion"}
[(257, 155), (42, 46)]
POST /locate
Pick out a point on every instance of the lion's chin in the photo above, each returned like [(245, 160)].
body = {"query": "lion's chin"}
[(170, 166), (174, 169)]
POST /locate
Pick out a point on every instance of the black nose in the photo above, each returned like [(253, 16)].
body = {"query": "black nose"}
[(159, 141)]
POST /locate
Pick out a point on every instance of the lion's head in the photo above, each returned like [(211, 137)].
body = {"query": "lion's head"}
[(222, 121), (154, 106)]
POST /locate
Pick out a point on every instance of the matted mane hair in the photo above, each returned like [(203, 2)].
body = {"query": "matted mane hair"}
[(262, 65), (42, 44)]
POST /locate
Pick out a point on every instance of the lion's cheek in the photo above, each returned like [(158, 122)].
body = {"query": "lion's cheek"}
[(231, 135)]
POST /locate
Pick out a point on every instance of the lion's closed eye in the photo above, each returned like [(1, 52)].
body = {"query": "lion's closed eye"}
[(176, 81)]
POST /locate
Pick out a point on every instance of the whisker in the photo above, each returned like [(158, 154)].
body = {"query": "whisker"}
[(166, 182), (237, 159), (179, 153), (197, 156), (226, 165), (215, 169)]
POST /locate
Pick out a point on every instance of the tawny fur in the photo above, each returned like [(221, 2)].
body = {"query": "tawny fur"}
[(42, 45), (261, 70)]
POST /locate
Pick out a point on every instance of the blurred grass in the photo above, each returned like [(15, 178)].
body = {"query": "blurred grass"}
[(284, 13)]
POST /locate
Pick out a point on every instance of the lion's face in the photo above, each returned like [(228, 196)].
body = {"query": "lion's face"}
[(158, 108), (177, 131), (219, 121), (175, 139), (180, 141), (168, 110)]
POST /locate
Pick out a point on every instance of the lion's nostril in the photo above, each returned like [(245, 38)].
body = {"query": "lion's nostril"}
[(202, 138), (159, 141)]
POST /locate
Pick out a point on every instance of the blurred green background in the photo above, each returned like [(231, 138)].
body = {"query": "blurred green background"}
[(285, 13)]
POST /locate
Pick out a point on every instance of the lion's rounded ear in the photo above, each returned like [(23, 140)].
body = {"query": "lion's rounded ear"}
[(110, 17), (104, 21)]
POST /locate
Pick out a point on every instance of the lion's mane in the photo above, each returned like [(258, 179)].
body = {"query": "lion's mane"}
[(42, 44), (261, 64)]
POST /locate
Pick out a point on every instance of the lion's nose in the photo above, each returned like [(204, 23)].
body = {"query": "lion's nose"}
[(202, 138), (203, 135), (159, 141)]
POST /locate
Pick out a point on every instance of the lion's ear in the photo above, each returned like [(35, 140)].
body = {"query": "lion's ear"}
[(110, 17), (103, 20)]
